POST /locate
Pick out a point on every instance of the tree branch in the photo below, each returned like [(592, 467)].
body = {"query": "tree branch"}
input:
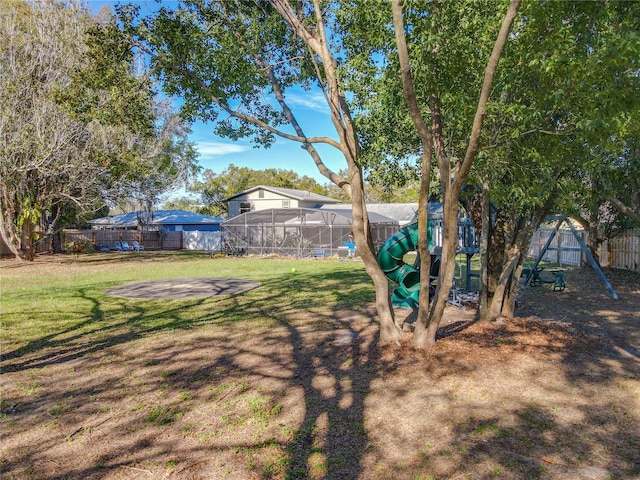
[(293, 121), (464, 167), (624, 209), (425, 134), (317, 42)]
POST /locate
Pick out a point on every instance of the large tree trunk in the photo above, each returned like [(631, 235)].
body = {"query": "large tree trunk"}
[(8, 239), (509, 299), (318, 42), (26, 240), (447, 263), (451, 185), (56, 240), (483, 308), (508, 244), (7, 226), (504, 283), (389, 331), (421, 336)]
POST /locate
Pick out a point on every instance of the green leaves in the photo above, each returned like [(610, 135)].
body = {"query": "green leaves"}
[(223, 57), (29, 213), (80, 124)]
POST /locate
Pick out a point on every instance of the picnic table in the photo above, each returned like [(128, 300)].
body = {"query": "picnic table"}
[(558, 279)]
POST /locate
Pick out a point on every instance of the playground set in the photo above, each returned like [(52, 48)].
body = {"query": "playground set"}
[(391, 258)]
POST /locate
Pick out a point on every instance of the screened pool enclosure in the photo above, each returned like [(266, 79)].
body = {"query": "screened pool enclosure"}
[(299, 232)]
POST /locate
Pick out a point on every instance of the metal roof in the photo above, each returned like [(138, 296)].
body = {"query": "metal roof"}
[(157, 217), (301, 195), (403, 213)]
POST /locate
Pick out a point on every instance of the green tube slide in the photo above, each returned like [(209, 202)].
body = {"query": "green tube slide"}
[(391, 260)]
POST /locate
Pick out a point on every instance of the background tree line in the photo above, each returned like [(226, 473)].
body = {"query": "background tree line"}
[(80, 129), (210, 189)]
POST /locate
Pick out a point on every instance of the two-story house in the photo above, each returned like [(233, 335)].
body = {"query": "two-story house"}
[(265, 198)]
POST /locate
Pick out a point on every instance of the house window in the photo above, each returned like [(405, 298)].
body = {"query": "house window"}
[(261, 194), (286, 204), (245, 207)]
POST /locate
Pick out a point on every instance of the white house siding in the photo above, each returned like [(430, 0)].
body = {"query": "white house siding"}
[(203, 241), (269, 201)]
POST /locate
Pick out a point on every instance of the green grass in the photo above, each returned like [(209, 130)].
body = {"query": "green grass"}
[(54, 303)]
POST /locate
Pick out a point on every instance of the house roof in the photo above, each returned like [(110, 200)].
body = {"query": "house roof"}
[(158, 217), (300, 195), (404, 213)]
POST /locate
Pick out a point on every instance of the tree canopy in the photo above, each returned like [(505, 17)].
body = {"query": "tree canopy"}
[(78, 128), (559, 96), (560, 111), (234, 62)]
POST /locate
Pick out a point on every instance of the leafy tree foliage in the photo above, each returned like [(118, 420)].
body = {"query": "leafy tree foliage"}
[(561, 95), (562, 98), (556, 94), (77, 128), (447, 55), (188, 204)]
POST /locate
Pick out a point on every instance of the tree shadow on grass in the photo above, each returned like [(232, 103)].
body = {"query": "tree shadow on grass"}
[(324, 359), (276, 383)]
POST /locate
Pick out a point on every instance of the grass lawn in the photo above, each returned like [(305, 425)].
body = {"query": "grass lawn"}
[(67, 300), (289, 380)]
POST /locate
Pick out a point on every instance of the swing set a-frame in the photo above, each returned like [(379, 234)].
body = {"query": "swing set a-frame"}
[(533, 277)]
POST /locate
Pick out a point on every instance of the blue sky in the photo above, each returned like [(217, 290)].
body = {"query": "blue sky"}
[(310, 108), (217, 153)]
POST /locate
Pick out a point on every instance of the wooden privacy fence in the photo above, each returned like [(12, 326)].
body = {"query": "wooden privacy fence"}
[(153, 240), (623, 251)]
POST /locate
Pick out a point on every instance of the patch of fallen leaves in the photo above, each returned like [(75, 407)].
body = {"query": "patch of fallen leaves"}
[(490, 342)]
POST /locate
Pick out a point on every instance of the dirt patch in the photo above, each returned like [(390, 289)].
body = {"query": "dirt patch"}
[(553, 394), (181, 288)]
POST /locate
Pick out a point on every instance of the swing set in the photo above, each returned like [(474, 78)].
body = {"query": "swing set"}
[(534, 277)]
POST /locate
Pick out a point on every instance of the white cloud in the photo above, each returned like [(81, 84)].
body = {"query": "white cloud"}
[(217, 149), (311, 100)]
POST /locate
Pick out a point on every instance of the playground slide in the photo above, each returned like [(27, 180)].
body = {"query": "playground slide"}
[(391, 260)]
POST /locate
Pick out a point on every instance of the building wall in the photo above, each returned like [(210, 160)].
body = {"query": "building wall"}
[(202, 241), (262, 200), (192, 228)]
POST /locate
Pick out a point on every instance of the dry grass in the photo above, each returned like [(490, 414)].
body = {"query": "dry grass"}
[(310, 393)]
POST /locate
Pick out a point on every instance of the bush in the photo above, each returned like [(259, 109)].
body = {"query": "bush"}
[(83, 246)]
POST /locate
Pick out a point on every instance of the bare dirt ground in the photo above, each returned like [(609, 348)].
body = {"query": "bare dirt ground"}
[(551, 394)]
